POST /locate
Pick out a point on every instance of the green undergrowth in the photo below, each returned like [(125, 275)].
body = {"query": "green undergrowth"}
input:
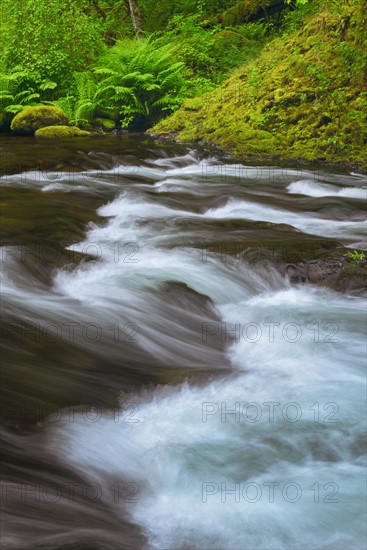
[(304, 97)]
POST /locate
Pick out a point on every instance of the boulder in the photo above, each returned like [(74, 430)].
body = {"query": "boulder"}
[(28, 121), (50, 132), (334, 272)]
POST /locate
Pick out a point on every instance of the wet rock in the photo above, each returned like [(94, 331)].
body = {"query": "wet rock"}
[(335, 272), (353, 278), (296, 273), (324, 271)]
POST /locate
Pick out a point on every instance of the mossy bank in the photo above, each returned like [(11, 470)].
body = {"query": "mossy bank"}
[(304, 97)]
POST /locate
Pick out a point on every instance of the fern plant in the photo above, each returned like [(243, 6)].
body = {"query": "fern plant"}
[(355, 256), (141, 79), (21, 89), (80, 107)]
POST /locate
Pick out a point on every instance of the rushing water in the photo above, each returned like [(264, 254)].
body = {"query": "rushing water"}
[(166, 386)]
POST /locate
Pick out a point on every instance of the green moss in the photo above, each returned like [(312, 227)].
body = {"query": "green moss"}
[(50, 132), (302, 98), (31, 119), (104, 124), (242, 11)]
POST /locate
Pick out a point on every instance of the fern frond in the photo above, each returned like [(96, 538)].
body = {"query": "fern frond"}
[(14, 109), (26, 96)]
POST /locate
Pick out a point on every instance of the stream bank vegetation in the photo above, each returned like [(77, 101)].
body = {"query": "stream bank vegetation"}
[(261, 79)]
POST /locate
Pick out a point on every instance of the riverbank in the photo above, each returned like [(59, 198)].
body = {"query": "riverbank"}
[(303, 99)]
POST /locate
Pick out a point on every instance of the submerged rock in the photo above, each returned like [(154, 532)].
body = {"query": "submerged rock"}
[(30, 120)]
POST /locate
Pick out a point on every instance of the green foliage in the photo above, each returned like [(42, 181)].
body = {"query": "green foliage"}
[(12, 97), (19, 90), (304, 93), (31, 119), (51, 37), (211, 54), (104, 124), (114, 19), (59, 42), (294, 17), (80, 107), (136, 83), (141, 80), (242, 11), (355, 256), (258, 32), (297, 2), (158, 14), (195, 45)]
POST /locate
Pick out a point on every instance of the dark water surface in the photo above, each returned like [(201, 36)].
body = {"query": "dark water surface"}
[(164, 385)]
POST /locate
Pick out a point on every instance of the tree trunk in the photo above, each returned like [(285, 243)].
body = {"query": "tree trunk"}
[(136, 17), (98, 9)]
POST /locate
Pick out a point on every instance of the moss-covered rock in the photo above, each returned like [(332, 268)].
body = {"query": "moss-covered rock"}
[(304, 97), (27, 122), (50, 132), (104, 124)]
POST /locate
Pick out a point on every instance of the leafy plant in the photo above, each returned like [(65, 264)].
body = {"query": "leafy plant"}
[(297, 2), (356, 256), (81, 106), (141, 79), (54, 38), (213, 51), (21, 89)]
